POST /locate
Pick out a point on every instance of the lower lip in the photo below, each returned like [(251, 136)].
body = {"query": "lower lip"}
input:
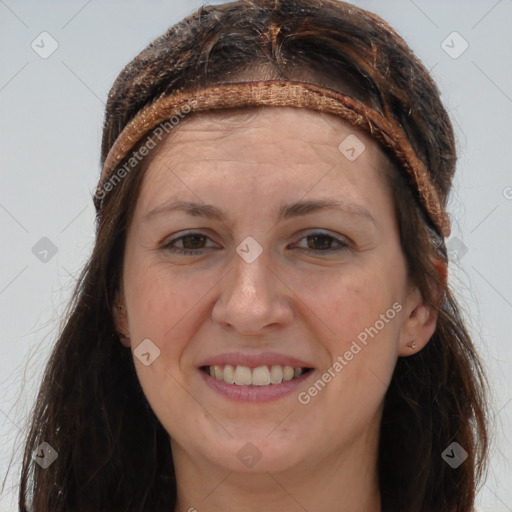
[(254, 393)]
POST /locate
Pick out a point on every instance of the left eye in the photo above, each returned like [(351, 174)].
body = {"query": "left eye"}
[(323, 243), (194, 243)]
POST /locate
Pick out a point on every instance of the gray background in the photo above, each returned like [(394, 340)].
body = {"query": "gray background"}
[(50, 128)]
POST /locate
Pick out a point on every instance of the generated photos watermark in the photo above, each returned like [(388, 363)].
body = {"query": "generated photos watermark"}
[(304, 397), (151, 141)]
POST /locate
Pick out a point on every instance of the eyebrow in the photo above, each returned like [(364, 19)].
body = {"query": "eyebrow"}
[(286, 211)]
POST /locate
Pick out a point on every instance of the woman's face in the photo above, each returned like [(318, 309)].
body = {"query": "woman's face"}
[(258, 275)]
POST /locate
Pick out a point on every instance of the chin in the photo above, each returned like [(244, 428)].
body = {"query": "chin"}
[(255, 454)]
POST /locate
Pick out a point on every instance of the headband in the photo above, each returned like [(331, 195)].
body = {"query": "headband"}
[(276, 93)]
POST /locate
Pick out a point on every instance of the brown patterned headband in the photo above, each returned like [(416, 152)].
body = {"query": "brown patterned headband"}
[(275, 93)]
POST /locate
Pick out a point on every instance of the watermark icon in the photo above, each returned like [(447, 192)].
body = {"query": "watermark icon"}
[(454, 455), (454, 45), (44, 45), (249, 250), (44, 455), (44, 250), (147, 352), (456, 249), (507, 193), (136, 156), (352, 147), (249, 455), (304, 397)]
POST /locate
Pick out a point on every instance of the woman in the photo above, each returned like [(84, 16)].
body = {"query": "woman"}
[(265, 322)]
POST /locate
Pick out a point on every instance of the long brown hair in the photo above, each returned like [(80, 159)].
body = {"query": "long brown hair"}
[(91, 408)]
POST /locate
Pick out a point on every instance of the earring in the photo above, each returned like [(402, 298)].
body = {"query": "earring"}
[(412, 344)]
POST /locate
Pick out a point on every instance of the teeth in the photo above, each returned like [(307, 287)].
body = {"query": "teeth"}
[(229, 374), (219, 373), (276, 375), (288, 373), (261, 376), (243, 376)]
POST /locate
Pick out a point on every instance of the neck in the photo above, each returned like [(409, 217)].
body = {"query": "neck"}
[(345, 481)]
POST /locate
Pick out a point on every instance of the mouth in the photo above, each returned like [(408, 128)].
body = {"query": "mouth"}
[(260, 376)]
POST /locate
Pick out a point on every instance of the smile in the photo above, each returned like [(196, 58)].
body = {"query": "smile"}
[(261, 376)]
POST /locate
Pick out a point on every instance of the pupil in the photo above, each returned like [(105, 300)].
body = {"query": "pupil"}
[(194, 244), (326, 241)]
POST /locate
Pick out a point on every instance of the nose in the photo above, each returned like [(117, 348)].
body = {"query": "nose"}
[(253, 298)]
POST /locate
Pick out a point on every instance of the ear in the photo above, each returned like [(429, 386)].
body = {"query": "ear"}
[(121, 319), (418, 326)]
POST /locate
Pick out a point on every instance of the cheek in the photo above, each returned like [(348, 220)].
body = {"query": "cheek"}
[(359, 328), (359, 325), (341, 302), (160, 299), (161, 303), (348, 301)]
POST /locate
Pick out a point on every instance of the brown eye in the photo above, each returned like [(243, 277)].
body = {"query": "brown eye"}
[(194, 241), (191, 244), (322, 242)]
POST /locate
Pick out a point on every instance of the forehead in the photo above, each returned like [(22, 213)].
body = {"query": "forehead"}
[(293, 132), (280, 146)]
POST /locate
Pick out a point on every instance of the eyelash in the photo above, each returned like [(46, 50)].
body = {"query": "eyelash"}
[(343, 246)]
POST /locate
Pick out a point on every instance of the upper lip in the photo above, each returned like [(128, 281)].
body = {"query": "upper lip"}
[(255, 360)]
